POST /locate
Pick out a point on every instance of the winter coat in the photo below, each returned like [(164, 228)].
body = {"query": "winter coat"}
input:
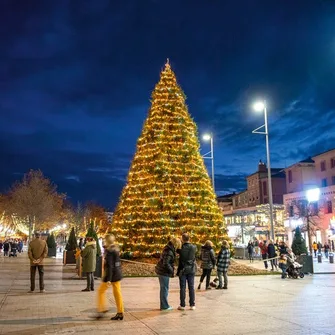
[(264, 248), (6, 246), (223, 260), (165, 265), (207, 257), (271, 251), (37, 249), (89, 257), (250, 248), (187, 264), (113, 272)]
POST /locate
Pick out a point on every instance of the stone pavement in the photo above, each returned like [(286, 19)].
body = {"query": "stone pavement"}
[(252, 305)]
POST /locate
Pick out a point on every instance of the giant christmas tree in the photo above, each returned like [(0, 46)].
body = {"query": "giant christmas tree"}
[(168, 190)]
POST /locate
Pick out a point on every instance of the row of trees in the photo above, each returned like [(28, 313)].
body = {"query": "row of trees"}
[(34, 203)]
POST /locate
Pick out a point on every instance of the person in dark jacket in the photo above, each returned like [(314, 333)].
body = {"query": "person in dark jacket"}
[(89, 260), (223, 262), (272, 254), (6, 248), (207, 264), (165, 270), (250, 249), (112, 277), (186, 271)]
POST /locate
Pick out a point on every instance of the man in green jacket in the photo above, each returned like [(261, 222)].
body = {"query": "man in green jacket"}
[(89, 260)]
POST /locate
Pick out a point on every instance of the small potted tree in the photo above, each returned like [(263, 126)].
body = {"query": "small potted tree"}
[(300, 250), (92, 233), (52, 246), (70, 249)]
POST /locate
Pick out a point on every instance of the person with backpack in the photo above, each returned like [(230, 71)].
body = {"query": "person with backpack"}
[(186, 271), (207, 264)]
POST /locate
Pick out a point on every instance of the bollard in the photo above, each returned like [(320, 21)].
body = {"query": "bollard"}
[(319, 258), (331, 258)]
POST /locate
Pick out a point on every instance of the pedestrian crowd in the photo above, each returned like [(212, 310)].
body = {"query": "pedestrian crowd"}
[(11, 247)]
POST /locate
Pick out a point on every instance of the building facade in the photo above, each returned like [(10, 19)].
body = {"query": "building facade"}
[(246, 214), (315, 172)]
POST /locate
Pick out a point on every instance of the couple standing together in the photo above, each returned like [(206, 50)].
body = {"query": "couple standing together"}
[(186, 271)]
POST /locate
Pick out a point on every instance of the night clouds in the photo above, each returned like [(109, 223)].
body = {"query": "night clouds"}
[(76, 79)]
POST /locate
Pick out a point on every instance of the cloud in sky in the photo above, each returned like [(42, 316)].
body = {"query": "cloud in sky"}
[(76, 79)]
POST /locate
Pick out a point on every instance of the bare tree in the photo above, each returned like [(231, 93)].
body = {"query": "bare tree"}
[(35, 199)]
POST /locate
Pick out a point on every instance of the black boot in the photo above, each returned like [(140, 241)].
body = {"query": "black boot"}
[(199, 286), (118, 316)]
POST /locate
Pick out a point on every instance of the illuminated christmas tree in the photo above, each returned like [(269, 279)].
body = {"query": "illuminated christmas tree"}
[(168, 190)]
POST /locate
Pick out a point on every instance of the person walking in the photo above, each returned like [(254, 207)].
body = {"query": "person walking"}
[(250, 249), (112, 277), (186, 271), (207, 263), (222, 264), (37, 251), (271, 250), (89, 261), (165, 270)]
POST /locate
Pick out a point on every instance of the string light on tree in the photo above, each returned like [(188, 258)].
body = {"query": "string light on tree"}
[(168, 190)]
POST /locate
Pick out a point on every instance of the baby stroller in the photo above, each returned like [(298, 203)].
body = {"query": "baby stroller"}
[(294, 269), (13, 251)]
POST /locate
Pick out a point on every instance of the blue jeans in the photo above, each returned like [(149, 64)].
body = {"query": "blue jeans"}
[(225, 278), (164, 291), (190, 283)]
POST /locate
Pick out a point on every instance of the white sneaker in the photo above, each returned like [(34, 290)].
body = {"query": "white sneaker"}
[(192, 308), (181, 308)]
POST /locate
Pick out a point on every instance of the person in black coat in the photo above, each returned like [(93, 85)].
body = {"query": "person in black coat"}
[(207, 264), (112, 277), (272, 254), (6, 248), (186, 271), (165, 270)]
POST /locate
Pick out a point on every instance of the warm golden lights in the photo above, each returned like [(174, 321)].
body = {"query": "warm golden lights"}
[(168, 189)]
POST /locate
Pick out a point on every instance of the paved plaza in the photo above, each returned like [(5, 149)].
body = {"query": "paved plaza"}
[(251, 305)]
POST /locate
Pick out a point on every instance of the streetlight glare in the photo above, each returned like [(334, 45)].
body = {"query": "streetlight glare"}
[(259, 106), (313, 194), (206, 137)]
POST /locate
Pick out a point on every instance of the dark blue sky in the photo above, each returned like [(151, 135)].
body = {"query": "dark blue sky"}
[(76, 79)]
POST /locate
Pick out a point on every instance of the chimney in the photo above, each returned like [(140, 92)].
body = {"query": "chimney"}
[(261, 166)]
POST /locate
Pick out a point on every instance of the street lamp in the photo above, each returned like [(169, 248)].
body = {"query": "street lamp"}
[(208, 137), (259, 107), (312, 195)]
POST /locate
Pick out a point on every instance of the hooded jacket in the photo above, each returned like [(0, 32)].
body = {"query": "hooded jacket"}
[(207, 257), (89, 257), (165, 265), (113, 272)]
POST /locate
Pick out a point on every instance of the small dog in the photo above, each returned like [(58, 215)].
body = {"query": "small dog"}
[(214, 283)]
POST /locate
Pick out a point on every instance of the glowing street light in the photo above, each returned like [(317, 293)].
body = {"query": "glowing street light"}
[(209, 137), (260, 106)]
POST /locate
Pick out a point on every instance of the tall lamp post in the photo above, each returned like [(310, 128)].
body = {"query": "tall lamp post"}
[(259, 107), (208, 137), (312, 195)]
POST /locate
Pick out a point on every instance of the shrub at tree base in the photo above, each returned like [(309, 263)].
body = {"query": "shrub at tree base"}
[(51, 241), (72, 241), (299, 243)]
